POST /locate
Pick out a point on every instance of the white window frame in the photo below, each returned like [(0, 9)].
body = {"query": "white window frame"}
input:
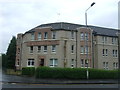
[(53, 48), (45, 35), (54, 35), (81, 36), (82, 62), (72, 35), (106, 50), (86, 36), (32, 36), (54, 62), (82, 50), (104, 39), (116, 53), (45, 50), (31, 49), (72, 63), (39, 49), (72, 49), (113, 52), (105, 65), (31, 61), (39, 36)]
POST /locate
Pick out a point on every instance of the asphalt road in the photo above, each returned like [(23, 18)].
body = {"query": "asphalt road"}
[(20, 85)]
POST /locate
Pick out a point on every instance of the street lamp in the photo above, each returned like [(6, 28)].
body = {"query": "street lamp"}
[(86, 40), (86, 12)]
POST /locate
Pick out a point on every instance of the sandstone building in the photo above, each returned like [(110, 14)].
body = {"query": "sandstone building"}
[(68, 45)]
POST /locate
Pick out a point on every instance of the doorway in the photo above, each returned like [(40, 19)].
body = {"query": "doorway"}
[(42, 62)]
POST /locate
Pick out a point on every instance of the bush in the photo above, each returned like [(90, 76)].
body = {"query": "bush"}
[(64, 73), (29, 71), (75, 73), (103, 74)]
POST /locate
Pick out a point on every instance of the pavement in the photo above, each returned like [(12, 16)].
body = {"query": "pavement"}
[(33, 80)]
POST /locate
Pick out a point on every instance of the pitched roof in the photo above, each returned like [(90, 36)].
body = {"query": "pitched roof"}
[(70, 26)]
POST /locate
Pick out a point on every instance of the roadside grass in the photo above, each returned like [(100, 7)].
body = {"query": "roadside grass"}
[(13, 72)]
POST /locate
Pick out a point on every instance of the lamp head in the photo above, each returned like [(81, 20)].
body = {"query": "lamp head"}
[(92, 4)]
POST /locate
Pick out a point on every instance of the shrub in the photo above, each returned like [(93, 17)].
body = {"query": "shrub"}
[(103, 74), (29, 71), (64, 73), (75, 73)]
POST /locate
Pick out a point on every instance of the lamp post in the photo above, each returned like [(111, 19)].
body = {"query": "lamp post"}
[(86, 12), (86, 39)]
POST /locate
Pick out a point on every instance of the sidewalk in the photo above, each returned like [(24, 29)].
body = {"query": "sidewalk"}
[(32, 80)]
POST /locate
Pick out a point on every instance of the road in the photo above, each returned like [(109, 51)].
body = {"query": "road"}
[(20, 85)]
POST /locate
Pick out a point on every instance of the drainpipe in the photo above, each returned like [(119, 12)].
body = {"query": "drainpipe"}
[(65, 61), (76, 48)]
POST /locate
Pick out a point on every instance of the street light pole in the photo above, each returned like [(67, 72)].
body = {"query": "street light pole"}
[(86, 40)]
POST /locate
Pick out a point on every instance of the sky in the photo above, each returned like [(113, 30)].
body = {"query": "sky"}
[(19, 16)]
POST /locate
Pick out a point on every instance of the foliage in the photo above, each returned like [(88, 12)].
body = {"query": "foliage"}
[(11, 54), (30, 71), (65, 73), (75, 73), (4, 61)]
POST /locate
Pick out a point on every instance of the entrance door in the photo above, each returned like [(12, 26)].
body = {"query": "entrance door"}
[(42, 62)]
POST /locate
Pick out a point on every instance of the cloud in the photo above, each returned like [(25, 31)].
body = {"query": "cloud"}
[(19, 16)]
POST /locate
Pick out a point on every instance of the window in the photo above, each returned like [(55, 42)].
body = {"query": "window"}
[(116, 53), (86, 36), (18, 62), (114, 65), (53, 62), (45, 35), (82, 50), (82, 63), (86, 50), (72, 49), (113, 53), (53, 35), (53, 48), (39, 49), (114, 40), (31, 49), (72, 63), (45, 48), (30, 62), (72, 35), (105, 52), (32, 36), (82, 36), (39, 36), (105, 65), (104, 39), (86, 62)]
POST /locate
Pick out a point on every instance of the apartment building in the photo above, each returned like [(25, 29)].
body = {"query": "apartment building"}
[(68, 45)]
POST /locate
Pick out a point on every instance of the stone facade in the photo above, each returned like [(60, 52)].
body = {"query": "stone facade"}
[(45, 46)]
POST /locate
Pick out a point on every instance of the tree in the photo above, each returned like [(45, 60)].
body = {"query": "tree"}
[(4, 61), (11, 53)]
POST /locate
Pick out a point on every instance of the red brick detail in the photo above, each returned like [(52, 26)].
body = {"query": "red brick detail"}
[(40, 43), (42, 31)]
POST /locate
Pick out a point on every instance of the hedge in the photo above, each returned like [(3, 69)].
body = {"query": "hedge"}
[(103, 74), (64, 73), (29, 71), (75, 73)]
